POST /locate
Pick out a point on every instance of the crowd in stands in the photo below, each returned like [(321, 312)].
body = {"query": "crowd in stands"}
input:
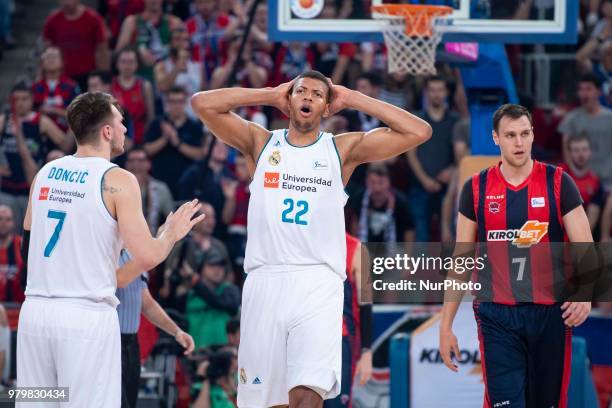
[(152, 55)]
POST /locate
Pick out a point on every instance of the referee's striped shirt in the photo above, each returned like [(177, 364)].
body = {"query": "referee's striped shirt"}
[(131, 300)]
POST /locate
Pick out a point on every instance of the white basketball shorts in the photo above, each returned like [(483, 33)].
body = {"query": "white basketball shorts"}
[(290, 335), (72, 343)]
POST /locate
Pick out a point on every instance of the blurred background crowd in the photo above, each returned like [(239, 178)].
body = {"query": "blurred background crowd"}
[(152, 55)]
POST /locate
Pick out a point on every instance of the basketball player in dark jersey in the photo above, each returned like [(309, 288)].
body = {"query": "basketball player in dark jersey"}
[(524, 334)]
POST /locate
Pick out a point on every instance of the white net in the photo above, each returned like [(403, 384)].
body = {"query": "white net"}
[(413, 50)]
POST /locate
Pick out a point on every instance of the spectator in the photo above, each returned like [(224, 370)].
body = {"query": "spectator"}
[(54, 91), (149, 33), (26, 138), (397, 89), (380, 213), (183, 259), (252, 71), (368, 83), (80, 34), (218, 386), (5, 348), (259, 29), (174, 141), (595, 121), (588, 183), (12, 266), (207, 29), (101, 81), (157, 200), (332, 59), (291, 59), (133, 93), (235, 209), (203, 181), (432, 176), (232, 328), (54, 155), (603, 70), (212, 302), (6, 37), (606, 221), (178, 69), (601, 32), (115, 11)]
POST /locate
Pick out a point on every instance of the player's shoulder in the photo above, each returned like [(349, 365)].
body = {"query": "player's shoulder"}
[(116, 174), (54, 15)]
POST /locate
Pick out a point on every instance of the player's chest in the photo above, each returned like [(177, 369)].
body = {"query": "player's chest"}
[(505, 208)]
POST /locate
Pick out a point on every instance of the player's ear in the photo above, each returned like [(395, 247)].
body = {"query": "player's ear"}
[(495, 138), (326, 111)]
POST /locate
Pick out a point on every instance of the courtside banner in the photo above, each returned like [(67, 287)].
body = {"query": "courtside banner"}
[(449, 389), (509, 268)]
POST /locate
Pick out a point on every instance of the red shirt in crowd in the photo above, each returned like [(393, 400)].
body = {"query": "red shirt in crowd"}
[(133, 101), (58, 95), (11, 268), (77, 39), (589, 186)]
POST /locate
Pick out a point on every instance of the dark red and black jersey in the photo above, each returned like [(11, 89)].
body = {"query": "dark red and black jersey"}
[(515, 224), (589, 186), (11, 268), (60, 96)]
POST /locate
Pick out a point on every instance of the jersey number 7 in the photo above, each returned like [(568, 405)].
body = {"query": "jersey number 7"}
[(60, 216)]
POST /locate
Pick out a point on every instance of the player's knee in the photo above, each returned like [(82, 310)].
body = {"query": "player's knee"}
[(304, 397)]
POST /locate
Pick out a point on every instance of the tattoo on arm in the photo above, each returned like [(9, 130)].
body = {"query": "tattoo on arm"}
[(109, 189)]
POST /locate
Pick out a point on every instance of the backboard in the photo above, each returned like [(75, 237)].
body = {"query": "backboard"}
[(502, 21)]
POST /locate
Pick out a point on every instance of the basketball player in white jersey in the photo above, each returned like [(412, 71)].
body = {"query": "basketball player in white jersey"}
[(83, 209), (291, 324)]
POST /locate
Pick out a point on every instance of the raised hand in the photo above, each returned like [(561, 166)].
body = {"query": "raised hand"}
[(281, 101), (340, 98), (179, 223)]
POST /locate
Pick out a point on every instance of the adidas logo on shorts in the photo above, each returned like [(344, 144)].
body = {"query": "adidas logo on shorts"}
[(256, 381)]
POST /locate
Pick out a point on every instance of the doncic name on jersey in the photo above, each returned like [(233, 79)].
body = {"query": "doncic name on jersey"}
[(291, 182), (64, 175)]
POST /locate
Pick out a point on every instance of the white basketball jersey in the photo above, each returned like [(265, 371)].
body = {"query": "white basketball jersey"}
[(74, 241), (296, 216)]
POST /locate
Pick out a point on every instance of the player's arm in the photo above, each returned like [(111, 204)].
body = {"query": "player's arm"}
[(404, 132), (465, 237), (214, 108), (578, 230), (121, 194), (27, 227)]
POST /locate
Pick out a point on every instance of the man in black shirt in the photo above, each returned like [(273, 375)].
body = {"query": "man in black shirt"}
[(431, 162), (380, 213)]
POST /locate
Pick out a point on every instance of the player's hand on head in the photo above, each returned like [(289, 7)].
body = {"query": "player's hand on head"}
[(179, 223), (281, 101), (340, 98), (575, 313), (449, 346)]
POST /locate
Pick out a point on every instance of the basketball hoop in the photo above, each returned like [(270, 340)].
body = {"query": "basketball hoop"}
[(411, 35)]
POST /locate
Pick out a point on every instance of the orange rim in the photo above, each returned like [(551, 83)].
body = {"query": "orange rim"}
[(418, 17)]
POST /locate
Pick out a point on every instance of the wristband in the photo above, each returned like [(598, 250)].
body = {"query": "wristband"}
[(365, 321)]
